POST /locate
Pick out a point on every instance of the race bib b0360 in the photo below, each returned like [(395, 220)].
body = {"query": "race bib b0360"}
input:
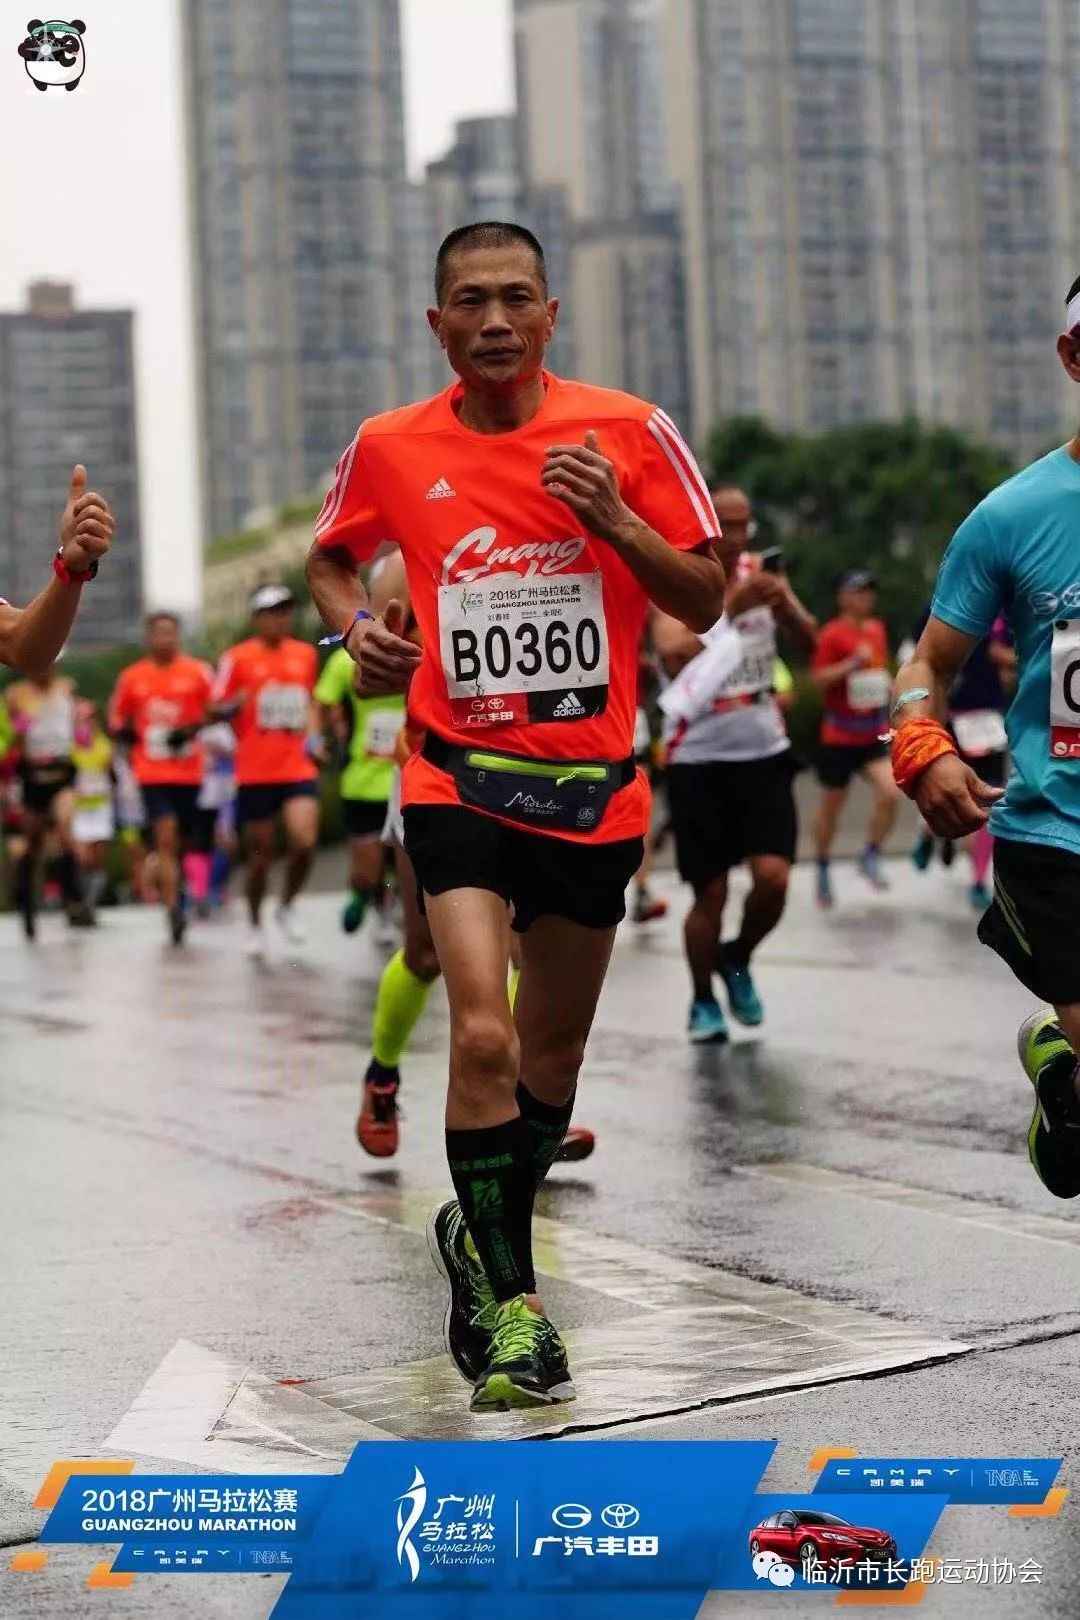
[(516, 651)]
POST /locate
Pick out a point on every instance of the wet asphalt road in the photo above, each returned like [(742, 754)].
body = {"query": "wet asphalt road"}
[(187, 1222)]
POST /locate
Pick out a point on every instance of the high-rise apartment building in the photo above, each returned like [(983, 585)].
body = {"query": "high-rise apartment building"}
[(477, 178), (876, 208), (592, 133), (296, 156), (67, 394)]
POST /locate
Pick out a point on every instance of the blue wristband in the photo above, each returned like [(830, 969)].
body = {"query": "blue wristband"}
[(335, 641)]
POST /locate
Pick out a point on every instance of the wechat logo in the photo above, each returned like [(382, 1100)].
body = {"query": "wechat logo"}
[(769, 1566)]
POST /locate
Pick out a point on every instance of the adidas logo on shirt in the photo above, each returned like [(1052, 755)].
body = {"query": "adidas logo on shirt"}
[(569, 709), (441, 490)]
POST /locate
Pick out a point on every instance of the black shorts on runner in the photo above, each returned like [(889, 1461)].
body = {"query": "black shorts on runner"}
[(40, 793), (837, 763), (726, 811), (453, 847), (364, 818), (1034, 922), (262, 801), (179, 800)]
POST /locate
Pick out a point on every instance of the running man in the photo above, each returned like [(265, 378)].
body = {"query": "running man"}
[(265, 686), (1018, 554), (730, 776), (537, 517), (851, 668), (370, 727), (158, 707), (410, 973), (33, 637), (43, 710)]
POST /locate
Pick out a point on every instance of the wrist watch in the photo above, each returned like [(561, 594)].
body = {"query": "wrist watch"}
[(71, 576)]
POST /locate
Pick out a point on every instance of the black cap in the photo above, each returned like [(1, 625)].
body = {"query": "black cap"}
[(857, 579)]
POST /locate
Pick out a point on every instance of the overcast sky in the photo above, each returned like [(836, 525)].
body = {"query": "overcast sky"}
[(91, 191)]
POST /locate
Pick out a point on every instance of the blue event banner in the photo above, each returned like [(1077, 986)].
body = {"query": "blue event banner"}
[(599, 1528)]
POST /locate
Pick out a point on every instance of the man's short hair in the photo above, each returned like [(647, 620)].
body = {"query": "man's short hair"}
[(486, 233), (158, 614)]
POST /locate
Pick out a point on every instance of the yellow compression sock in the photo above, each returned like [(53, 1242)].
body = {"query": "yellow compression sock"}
[(398, 1006), (512, 986)]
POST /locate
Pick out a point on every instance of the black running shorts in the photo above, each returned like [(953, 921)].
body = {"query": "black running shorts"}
[(1034, 922), (40, 792), (726, 811), (454, 847), (364, 818), (837, 763)]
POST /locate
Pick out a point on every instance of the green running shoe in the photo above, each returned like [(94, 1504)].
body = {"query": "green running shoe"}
[(526, 1365), (470, 1307), (1054, 1136), (352, 914)]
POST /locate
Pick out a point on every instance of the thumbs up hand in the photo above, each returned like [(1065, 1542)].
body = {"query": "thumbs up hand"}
[(385, 660), (86, 526)]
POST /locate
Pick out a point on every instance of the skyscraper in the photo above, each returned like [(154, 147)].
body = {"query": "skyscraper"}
[(875, 208), (67, 394), (477, 178), (296, 153), (591, 122)]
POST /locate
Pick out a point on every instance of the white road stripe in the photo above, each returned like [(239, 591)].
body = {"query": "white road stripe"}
[(1013, 1223), (699, 1336)]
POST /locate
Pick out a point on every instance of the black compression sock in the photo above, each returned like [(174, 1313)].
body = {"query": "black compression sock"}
[(492, 1172), (547, 1126)]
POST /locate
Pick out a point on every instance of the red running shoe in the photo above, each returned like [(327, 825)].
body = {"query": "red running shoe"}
[(578, 1143), (377, 1126)]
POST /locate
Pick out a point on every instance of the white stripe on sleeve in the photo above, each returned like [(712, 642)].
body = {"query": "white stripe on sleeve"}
[(691, 482), (692, 466), (335, 495), (220, 688)]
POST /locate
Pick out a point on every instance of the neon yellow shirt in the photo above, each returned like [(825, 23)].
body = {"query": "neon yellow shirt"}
[(375, 723), (92, 762)]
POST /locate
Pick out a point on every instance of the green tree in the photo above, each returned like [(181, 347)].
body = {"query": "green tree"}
[(886, 495)]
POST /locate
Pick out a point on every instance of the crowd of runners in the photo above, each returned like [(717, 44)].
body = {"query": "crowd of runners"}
[(535, 604)]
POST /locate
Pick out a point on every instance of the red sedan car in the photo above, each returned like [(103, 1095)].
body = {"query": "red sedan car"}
[(807, 1538)]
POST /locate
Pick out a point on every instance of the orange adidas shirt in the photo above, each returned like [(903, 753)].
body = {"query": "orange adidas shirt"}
[(154, 699), (530, 625), (272, 722)]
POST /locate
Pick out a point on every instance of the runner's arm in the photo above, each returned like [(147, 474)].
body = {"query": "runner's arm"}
[(32, 637), (688, 584), (675, 645), (386, 661), (938, 658), (797, 622), (951, 798)]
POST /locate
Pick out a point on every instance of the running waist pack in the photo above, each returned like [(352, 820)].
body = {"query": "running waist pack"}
[(558, 795)]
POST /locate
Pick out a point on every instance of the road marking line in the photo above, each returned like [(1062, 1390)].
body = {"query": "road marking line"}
[(643, 1277), (205, 1409), (968, 1211)]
